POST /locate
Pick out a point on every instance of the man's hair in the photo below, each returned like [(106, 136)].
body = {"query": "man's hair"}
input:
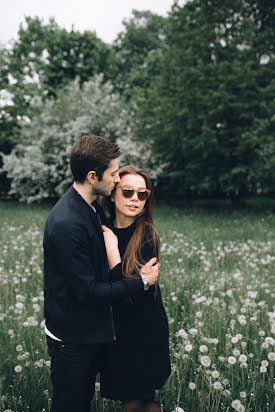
[(91, 153)]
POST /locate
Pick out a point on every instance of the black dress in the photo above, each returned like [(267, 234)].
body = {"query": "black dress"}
[(138, 362)]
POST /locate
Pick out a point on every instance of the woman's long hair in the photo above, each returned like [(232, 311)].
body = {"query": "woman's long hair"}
[(144, 231)]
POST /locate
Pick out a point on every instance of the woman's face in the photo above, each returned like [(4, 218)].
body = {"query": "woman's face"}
[(132, 206)]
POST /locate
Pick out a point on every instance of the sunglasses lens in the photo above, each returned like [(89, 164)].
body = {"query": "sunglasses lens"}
[(142, 195), (127, 192)]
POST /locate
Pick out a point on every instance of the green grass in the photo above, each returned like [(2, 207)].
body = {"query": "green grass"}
[(217, 282)]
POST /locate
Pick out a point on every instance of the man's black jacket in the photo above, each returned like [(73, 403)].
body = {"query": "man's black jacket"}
[(78, 293)]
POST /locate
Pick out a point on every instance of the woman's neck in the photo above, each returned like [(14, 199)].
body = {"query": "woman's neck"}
[(122, 221)]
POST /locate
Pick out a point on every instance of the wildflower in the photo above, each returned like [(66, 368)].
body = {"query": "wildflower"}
[(18, 368), (97, 386), (192, 386), (232, 360), (234, 339), (193, 331), (178, 409), (188, 347), (19, 348), (263, 369), (215, 341), (203, 348), (243, 395), (271, 356), (264, 363), (215, 374), (205, 361), (217, 385), (242, 358), (236, 352)]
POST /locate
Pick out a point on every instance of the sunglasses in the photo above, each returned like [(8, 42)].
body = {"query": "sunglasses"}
[(128, 192)]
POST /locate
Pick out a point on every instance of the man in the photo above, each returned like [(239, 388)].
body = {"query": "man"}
[(77, 290)]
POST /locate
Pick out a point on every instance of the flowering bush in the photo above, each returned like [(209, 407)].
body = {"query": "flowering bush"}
[(39, 166)]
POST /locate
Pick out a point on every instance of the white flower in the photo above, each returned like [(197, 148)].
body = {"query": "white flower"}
[(264, 363), (178, 409), (192, 386), (217, 385), (193, 331), (261, 333), (236, 352), (205, 361), (232, 360), (19, 305), (215, 341), (234, 339), (198, 314), (18, 368), (243, 395), (215, 374), (19, 348), (182, 333), (188, 348), (271, 356), (97, 386), (203, 348), (242, 358), (235, 404), (263, 369)]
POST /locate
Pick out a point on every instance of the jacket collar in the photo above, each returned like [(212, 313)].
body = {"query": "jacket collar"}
[(85, 210)]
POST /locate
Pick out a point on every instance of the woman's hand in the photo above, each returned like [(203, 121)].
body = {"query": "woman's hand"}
[(111, 244)]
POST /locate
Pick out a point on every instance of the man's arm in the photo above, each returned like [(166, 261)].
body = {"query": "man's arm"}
[(73, 258)]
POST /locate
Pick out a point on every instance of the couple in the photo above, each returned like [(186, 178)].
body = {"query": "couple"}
[(103, 307)]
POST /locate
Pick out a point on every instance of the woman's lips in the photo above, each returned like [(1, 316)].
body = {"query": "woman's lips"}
[(132, 207)]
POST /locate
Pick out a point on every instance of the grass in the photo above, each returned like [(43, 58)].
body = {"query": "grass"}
[(217, 282)]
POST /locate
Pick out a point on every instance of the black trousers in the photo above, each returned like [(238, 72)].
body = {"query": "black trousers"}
[(73, 373)]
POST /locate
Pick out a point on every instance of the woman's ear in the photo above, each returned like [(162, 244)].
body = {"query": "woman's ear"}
[(112, 197)]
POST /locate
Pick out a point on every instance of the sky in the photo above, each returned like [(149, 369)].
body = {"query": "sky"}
[(103, 16)]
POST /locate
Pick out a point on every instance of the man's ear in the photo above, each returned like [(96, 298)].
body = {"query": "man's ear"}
[(91, 177)]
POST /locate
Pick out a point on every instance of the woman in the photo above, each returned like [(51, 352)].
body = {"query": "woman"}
[(138, 362)]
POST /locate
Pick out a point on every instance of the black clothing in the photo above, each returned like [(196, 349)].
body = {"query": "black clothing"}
[(73, 372), (138, 362), (77, 290)]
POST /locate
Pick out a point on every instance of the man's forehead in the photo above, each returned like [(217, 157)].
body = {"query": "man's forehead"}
[(113, 165)]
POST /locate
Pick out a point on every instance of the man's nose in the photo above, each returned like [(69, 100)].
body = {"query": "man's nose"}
[(117, 180)]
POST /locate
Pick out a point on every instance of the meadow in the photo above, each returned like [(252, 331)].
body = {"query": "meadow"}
[(217, 282)]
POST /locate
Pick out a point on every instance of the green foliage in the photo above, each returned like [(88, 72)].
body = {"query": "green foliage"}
[(44, 59), (208, 107), (143, 33), (39, 166)]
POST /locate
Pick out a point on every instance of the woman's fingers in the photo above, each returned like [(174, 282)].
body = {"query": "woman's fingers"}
[(106, 229)]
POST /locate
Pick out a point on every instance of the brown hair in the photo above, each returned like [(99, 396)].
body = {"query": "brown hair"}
[(145, 230), (91, 153)]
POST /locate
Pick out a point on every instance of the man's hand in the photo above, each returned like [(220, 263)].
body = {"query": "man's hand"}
[(111, 244), (151, 270)]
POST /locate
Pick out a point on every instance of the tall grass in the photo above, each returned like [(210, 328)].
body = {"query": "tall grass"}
[(217, 282)]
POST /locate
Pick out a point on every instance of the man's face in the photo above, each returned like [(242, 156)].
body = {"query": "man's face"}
[(109, 179)]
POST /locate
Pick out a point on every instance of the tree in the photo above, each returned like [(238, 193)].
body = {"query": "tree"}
[(39, 166), (212, 95), (143, 33), (44, 59)]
